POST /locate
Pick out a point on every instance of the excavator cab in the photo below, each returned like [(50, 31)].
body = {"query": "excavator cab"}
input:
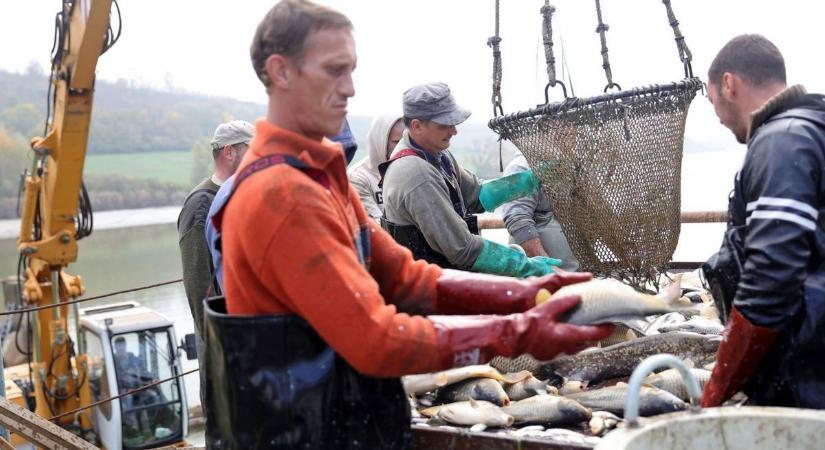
[(131, 350)]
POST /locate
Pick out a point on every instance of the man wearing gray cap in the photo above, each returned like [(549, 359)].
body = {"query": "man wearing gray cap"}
[(229, 144), (429, 200)]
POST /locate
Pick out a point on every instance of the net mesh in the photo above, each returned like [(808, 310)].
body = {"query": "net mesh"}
[(611, 168)]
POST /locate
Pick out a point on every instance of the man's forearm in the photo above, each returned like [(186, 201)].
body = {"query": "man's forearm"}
[(533, 247)]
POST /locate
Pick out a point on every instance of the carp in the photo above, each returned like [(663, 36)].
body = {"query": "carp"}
[(547, 410), (609, 300), (602, 421), (671, 380), (619, 360), (471, 413), (527, 387), (486, 389), (652, 401), (420, 384), (696, 324)]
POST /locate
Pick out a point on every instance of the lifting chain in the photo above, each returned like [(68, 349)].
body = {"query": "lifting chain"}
[(493, 42), (601, 29), (547, 37), (684, 52)]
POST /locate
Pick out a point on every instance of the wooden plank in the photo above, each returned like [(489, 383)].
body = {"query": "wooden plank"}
[(704, 216), (426, 437), (38, 430), (6, 445)]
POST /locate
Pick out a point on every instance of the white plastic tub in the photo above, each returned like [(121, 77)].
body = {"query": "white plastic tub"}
[(731, 428)]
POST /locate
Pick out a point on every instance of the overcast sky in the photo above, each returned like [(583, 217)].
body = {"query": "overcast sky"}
[(203, 46)]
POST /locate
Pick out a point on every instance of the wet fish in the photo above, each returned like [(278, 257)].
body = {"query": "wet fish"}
[(602, 421), (608, 300), (664, 320), (652, 401), (519, 363), (621, 333), (547, 410), (471, 413), (709, 312), (571, 387), (619, 360), (486, 389), (419, 384), (527, 387), (696, 324), (561, 436), (671, 381)]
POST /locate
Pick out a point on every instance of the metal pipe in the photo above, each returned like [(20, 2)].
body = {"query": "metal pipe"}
[(81, 338), (56, 294), (4, 433), (492, 222), (645, 368), (690, 84)]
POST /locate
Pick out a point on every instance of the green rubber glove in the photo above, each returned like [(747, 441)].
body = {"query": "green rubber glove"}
[(502, 260), (496, 192)]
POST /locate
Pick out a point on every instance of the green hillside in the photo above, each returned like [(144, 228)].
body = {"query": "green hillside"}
[(174, 167), (148, 147)]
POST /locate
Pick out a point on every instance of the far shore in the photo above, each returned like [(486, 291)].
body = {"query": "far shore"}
[(107, 220)]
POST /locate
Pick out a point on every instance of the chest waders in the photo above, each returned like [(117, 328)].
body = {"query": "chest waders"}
[(274, 383)]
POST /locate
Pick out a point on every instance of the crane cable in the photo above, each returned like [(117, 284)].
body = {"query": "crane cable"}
[(86, 299), (124, 394)]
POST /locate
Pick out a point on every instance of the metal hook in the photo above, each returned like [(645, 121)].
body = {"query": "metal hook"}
[(612, 85), (547, 91)]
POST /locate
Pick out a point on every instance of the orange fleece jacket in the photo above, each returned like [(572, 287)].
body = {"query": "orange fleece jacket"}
[(289, 248)]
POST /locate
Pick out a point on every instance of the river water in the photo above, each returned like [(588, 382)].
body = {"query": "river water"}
[(122, 258)]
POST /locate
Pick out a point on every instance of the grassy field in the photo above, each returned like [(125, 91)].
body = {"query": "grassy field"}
[(167, 166)]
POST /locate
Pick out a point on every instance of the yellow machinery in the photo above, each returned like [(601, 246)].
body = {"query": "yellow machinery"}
[(56, 213)]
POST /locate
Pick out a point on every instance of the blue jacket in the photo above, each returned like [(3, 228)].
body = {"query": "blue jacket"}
[(777, 204), (212, 235)]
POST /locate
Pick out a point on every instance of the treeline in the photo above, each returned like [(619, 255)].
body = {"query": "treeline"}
[(131, 119), (117, 192), (125, 118), (106, 191)]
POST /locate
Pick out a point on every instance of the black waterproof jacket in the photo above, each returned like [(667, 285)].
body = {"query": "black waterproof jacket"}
[(777, 210)]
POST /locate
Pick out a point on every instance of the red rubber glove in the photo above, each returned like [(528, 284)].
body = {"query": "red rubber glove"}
[(465, 340), (462, 292), (743, 347)]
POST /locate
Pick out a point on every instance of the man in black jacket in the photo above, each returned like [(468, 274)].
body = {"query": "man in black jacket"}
[(775, 337)]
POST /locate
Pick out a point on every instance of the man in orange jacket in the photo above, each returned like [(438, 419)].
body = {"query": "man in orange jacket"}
[(314, 288)]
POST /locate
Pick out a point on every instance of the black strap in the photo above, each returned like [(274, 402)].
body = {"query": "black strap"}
[(266, 162), (455, 196)]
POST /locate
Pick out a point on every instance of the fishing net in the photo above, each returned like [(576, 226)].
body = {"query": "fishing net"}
[(610, 164), (611, 167)]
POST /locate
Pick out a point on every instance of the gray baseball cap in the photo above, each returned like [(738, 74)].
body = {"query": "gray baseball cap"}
[(232, 132), (433, 101)]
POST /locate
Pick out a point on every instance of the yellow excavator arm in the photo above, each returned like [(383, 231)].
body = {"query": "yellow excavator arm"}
[(49, 226)]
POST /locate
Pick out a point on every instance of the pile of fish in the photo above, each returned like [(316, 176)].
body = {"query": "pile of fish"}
[(577, 398)]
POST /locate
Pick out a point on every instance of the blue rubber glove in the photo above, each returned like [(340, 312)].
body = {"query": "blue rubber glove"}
[(502, 260), (499, 191)]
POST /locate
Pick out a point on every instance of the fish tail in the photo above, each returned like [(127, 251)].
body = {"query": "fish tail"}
[(671, 294)]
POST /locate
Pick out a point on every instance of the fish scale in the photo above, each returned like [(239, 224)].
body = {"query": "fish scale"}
[(619, 360), (652, 401), (486, 389), (547, 410), (671, 381), (608, 300)]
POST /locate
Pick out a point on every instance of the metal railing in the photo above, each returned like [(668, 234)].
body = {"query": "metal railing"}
[(495, 222)]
